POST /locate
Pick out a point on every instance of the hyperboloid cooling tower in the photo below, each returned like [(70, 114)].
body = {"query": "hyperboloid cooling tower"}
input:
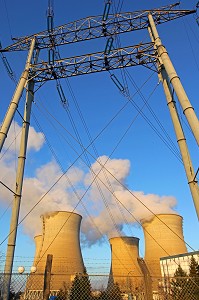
[(61, 239), (163, 237), (124, 266)]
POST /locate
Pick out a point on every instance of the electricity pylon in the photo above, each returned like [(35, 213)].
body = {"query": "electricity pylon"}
[(151, 55)]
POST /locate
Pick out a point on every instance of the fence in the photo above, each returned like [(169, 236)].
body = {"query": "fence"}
[(102, 287)]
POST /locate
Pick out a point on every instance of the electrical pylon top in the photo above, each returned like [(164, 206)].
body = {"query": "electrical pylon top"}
[(96, 27)]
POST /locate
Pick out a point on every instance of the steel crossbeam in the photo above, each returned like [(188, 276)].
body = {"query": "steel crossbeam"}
[(94, 27), (142, 54)]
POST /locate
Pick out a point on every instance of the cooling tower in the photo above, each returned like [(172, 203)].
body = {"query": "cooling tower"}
[(163, 237), (61, 239), (124, 266)]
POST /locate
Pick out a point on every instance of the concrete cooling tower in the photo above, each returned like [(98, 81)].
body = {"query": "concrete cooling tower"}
[(163, 237), (61, 239), (124, 266)]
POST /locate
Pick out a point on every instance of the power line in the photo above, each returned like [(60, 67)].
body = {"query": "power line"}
[(8, 19), (86, 149)]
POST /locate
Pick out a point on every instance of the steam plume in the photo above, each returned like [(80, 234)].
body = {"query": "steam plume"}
[(109, 208)]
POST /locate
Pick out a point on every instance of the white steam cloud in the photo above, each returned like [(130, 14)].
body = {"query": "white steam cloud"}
[(109, 204)]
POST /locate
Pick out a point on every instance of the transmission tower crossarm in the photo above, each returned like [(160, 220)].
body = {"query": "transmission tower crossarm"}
[(95, 27), (142, 54)]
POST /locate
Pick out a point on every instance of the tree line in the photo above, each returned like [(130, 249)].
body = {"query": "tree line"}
[(186, 285)]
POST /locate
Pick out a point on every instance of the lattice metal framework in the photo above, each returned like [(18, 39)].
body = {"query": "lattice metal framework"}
[(94, 27), (143, 54)]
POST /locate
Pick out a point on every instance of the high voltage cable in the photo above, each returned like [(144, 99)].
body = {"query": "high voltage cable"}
[(127, 95), (69, 181), (106, 206), (14, 140), (117, 38), (42, 197), (153, 114), (96, 153), (86, 157), (8, 19), (81, 200), (154, 128), (190, 43), (192, 49), (92, 142), (86, 149), (5, 211), (196, 38)]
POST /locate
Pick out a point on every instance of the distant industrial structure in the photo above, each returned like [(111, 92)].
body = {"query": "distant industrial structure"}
[(125, 269), (164, 244), (60, 238), (169, 264), (163, 237)]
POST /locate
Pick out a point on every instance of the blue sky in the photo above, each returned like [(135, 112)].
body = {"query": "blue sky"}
[(141, 161)]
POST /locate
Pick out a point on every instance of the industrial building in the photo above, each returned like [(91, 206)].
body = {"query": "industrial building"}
[(169, 264), (164, 243)]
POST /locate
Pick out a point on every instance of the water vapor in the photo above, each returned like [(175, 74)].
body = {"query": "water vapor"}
[(109, 203)]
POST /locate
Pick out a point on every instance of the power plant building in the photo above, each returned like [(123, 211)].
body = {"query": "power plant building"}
[(164, 243), (170, 264)]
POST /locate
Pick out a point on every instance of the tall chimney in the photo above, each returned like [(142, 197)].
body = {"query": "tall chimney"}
[(61, 239), (163, 237), (124, 266)]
